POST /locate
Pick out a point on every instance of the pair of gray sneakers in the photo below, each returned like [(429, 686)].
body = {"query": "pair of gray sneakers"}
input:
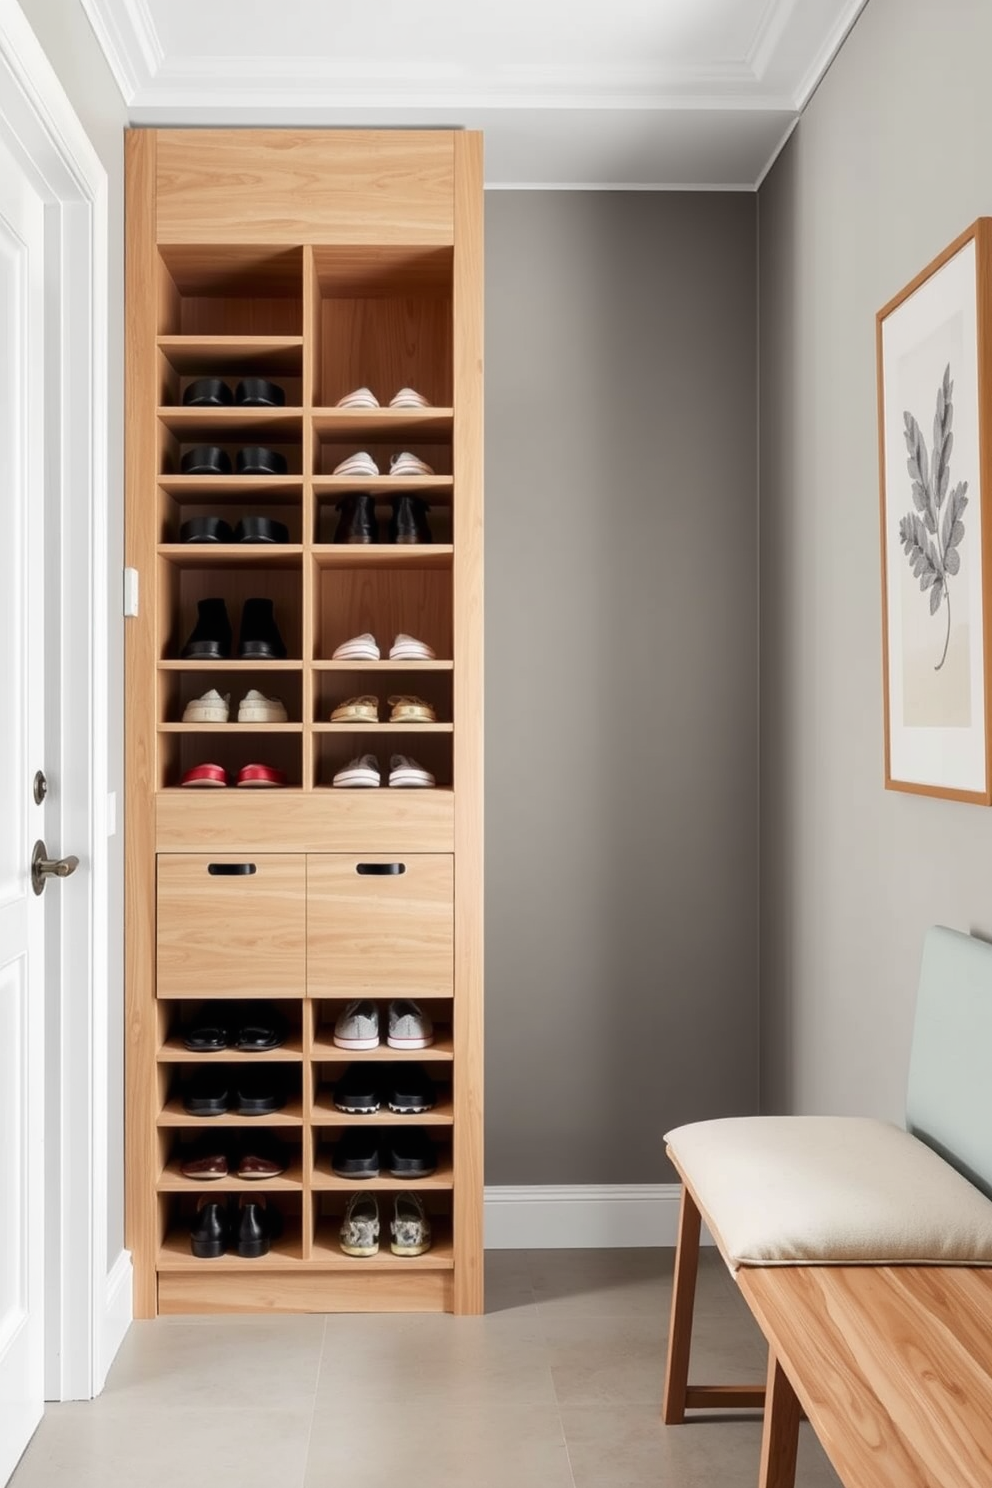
[(410, 1227), (357, 1025)]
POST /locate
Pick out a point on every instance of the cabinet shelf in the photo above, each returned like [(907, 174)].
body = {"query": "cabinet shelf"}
[(232, 555), (174, 1114), (173, 1181), (434, 424), (326, 1255), (384, 665), (197, 356), (438, 486), (232, 423), (383, 555), (174, 1051), (325, 1180), (173, 664), (231, 727), (326, 1051), (324, 1112), (382, 728), (226, 490)]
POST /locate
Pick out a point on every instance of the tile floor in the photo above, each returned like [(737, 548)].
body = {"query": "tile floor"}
[(558, 1386)]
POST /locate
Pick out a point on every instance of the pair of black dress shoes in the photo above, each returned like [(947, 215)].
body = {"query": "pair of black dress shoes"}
[(248, 530), (246, 1091), (212, 459), (251, 392), (247, 1227), (211, 637), (406, 1152), (358, 523), (251, 1028)]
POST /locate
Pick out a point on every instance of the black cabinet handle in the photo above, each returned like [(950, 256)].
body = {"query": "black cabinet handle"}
[(380, 870), (230, 870)]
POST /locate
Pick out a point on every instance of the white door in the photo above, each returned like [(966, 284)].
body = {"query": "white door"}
[(22, 705)]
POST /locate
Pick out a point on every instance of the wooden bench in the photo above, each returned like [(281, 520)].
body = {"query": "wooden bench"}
[(892, 1364)]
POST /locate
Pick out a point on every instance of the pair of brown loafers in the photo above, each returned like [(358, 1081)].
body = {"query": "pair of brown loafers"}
[(254, 1162)]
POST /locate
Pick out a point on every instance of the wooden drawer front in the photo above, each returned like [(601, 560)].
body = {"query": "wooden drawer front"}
[(231, 934), (380, 934)]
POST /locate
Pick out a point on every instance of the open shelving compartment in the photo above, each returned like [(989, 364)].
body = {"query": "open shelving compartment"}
[(320, 309)]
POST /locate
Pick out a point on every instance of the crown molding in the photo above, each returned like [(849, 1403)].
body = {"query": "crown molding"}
[(832, 44), (767, 38), (129, 41)]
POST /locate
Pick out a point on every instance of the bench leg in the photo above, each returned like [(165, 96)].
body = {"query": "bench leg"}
[(683, 1300), (780, 1435)]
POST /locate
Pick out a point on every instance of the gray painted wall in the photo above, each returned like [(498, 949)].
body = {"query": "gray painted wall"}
[(889, 163), (72, 49), (621, 618)]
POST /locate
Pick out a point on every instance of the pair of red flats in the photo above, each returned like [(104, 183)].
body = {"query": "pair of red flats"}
[(215, 775)]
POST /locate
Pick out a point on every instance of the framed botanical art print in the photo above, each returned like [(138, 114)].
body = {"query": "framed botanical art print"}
[(935, 446)]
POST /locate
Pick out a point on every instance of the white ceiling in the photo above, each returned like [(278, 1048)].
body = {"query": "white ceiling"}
[(633, 93)]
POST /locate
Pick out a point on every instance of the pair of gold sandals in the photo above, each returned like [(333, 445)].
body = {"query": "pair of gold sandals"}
[(365, 709)]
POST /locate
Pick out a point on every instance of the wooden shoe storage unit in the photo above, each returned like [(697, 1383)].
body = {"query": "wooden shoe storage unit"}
[(323, 260)]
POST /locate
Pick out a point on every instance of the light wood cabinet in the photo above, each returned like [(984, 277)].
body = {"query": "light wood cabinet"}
[(324, 261)]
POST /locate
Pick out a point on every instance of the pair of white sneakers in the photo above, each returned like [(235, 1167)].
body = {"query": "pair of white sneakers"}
[(404, 463), (364, 771), (364, 397), (254, 707), (364, 647)]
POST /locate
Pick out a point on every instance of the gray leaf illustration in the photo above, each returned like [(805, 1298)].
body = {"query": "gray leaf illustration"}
[(918, 465), (943, 439), (952, 527), (931, 544)]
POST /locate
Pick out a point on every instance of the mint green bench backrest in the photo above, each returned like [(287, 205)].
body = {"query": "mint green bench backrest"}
[(949, 1097)]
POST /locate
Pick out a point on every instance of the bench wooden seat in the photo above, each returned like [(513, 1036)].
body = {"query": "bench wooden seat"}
[(892, 1365)]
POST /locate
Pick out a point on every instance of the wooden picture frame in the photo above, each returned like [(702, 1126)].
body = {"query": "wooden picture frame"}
[(934, 355)]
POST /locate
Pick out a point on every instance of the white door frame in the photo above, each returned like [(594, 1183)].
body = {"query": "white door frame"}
[(41, 128)]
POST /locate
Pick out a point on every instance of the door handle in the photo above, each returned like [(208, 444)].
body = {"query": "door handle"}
[(43, 867), (380, 870), (230, 870)]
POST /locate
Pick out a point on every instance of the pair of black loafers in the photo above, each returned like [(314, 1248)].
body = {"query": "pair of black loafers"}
[(214, 1091), (213, 459), (248, 530), (406, 1152), (251, 392), (245, 1226), (358, 522), (211, 637), (249, 1027)]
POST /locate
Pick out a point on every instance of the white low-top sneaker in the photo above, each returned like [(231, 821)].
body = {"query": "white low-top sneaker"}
[(404, 771), (361, 463), (363, 771), (408, 397), (359, 648), (408, 464), (210, 708), (255, 707), (362, 397), (408, 648), (409, 1025)]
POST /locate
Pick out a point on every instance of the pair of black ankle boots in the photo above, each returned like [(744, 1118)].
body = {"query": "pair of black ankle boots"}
[(358, 522), (211, 637)]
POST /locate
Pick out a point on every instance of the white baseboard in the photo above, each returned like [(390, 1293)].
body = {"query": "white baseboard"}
[(117, 1315), (584, 1216)]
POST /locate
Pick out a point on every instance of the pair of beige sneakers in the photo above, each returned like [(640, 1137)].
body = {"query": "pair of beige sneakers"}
[(365, 709), (254, 707)]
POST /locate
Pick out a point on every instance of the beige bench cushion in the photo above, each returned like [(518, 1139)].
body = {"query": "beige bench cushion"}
[(815, 1190)]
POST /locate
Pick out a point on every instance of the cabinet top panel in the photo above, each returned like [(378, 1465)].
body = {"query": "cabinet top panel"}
[(304, 186)]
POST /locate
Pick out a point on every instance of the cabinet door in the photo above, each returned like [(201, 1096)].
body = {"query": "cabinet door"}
[(380, 926), (231, 925)]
